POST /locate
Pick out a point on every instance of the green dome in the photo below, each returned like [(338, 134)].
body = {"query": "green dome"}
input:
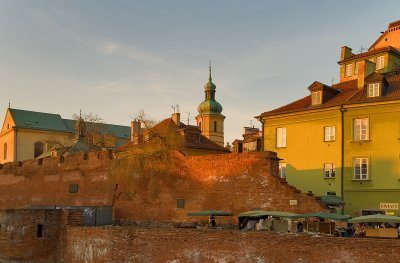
[(209, 86), (209, 107)]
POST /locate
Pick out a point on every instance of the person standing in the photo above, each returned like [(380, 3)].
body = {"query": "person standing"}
[(211, 220)]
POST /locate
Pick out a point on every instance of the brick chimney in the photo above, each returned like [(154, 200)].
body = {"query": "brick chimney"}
[(136, 131), (176, 117), (345, 53)]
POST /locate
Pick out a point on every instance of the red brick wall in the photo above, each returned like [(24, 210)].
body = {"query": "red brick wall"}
[(122, 244), (31, 183), (18, 235), (149, 187)]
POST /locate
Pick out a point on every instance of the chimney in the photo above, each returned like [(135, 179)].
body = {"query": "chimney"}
[(176, 117), (367, 68), (135, 131), (345, 53)]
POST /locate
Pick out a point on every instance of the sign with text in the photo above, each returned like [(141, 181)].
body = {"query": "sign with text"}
[(293, 202), (389, 206)]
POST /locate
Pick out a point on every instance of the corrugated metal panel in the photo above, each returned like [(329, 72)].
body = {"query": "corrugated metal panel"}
[(103, 215)]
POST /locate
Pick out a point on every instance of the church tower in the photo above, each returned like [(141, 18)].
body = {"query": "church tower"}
[(210, 120)]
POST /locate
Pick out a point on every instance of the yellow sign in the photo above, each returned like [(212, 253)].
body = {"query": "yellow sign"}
[(293, 202), (389, 213), (389, 206)]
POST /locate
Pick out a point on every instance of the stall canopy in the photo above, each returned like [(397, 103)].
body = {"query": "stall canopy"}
[(332, 200), (210, 212), (324, 215), (378, 218), (262, 213)]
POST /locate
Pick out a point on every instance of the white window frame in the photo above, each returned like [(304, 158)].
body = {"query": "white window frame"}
[(361, 168), (380, 62), (356, 68), (329, 133), (329, 170), (316, 97), (361, 129), (374, 90), (348, 70), (281, 137), (282, 170)]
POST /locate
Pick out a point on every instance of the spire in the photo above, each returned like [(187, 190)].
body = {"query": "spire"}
[(9, 103), (209, 70), (80, 127)]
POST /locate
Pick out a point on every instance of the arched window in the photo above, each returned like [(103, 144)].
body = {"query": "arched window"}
[(5, 151), (38, 149), (200, 125), (215, 126)]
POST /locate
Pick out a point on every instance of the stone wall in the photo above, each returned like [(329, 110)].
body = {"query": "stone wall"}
[(121, 244)]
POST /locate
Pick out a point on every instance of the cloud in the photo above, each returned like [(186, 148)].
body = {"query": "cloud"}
[(109, 48)]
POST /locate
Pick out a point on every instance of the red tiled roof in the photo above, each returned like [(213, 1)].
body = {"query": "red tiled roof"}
[(347, 89), (349, 94), (371, 52), (163, 127), (391, 92)]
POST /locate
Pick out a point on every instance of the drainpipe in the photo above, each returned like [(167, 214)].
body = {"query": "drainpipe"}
[(262, 134), (342, 110), (15, 145)]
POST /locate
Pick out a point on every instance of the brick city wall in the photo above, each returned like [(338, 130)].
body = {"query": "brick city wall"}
[(148, 188), (21, 239), (46, 182), (122, 244)]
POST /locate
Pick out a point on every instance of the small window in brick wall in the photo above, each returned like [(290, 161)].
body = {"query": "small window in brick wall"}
[(39, 230), (73, 188), (180, 203)]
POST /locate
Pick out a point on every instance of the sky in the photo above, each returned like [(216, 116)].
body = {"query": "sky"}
[(115, 58)]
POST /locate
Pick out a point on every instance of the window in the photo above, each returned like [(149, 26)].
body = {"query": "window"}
[(329, 133), (316, 97), (5, 151), (180, 203), (373, 90), (282, 170), (38, 149), (281, 137), (215, 126), (39, 230), (360, 168), (360, 129), (329, 170), (380, 62), (357, 65), (348, 70), (200, 125)]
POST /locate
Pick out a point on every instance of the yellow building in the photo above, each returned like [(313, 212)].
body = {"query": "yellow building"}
[(343, 139), (28, 134)]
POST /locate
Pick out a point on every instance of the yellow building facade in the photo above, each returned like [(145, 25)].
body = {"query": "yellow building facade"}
[(28, 134), (344, 139)]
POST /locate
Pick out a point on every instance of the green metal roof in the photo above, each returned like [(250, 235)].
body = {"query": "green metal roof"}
[(38, 120), (54, 122)]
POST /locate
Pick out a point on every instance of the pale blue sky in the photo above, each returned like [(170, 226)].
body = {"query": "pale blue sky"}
[(115, 57)]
